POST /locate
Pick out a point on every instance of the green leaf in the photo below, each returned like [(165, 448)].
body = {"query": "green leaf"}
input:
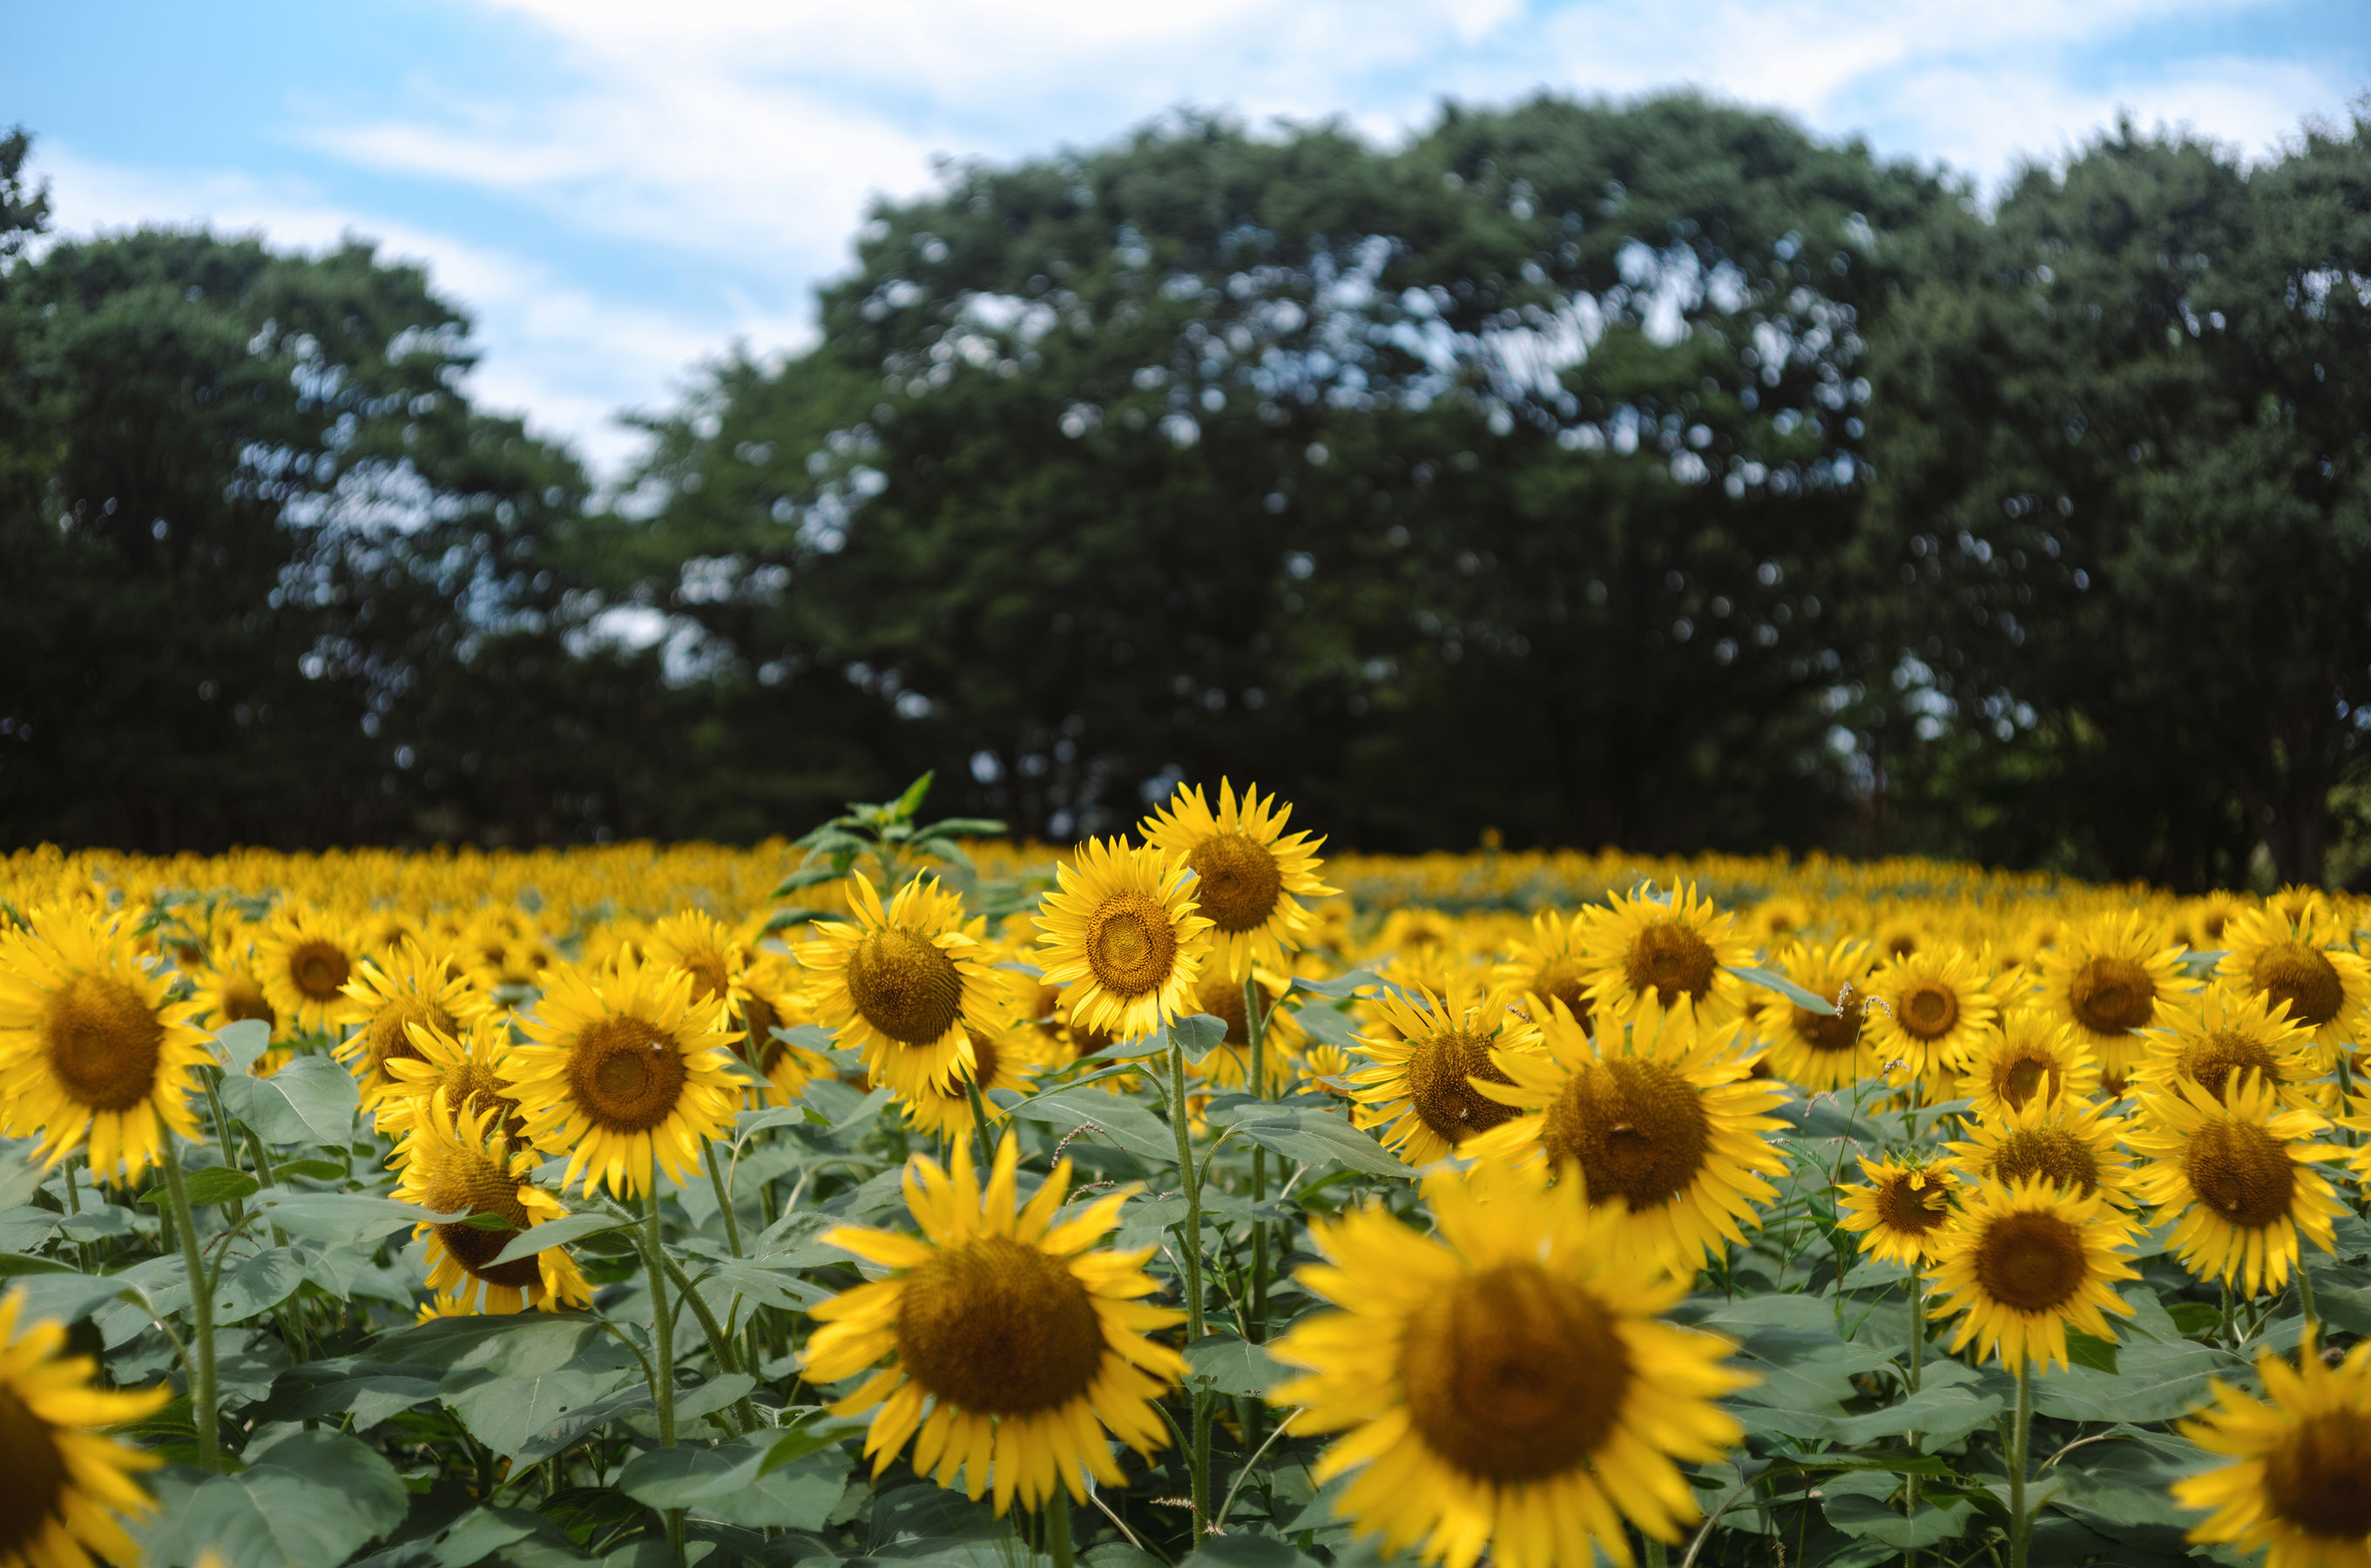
[(318, 1170), (1328, 1026), (558, 1233), (240, 1044), (20, 1176), (1871, 1518), (1248, 1551), (911, 801), (2085, 1349), (1943, 1414), (805, 876), (1341, 988), (506, 1414), (335, 1219), (2129, 1481), (311, 1101), (312, 1498), (798, 914), (1317, 1137), (965, 827), (1197, 1036), (1101, 1119), (258, 1284), (1811, 1001), (1229, 1365), (13, 1264), (2160, 1375), (735, 1482), (214, 1184)]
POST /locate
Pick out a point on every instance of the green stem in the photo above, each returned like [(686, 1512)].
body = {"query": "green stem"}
[(1198, 1459), (661, 1321), (1917, 1368), (720, 1343), (1256, 1030), (2305, 1296), (1058, 1528), (233, 1211), (1656, 1556), (201, 1314), (724, 1198), (979, 1126), (2020, 1528)]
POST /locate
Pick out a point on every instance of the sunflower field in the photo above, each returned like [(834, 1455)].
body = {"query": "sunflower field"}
[(904, 1194)]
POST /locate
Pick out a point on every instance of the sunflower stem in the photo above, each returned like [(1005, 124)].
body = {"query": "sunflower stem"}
[(720, 1343), (723, 1198), (661, 1321), (1917, 1368), (979, 1126), (201, 1313), (1255, 1031), (2020, 1527), (1199, 1461), (1058, 1528), (1656, 1555), (2305, 1296)]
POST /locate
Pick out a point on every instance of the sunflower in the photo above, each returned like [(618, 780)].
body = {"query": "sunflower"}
[(1219, 993), (898, 983), (455, 1160), (997, 1063), (2107, 978), (771, 999), (1017, 1345), (2236, 1177), (1506, 1386), (2228, 1031), (698, 944), (2068, 1143), (1121, 937), (1779, 921), (1674, 953), (1903, 1210), (1817, 1051), (1662, 1114), (1929, 1008), (1249, 878), (2024, 1262), (388, 996), (90, 1049), (2300, 1487), (2203, 917), (2303, 965), (228, 991), (622, 1067), (469, 1070), (305, 957), (2030, 1056), (1427, 1058), (68, 1483), (1550, 966)]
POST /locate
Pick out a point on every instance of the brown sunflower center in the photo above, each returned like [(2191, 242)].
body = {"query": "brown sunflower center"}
[(1239, 881), (2211, 1062), (1437, 1073), (2033, 1262), (710, 976), (758, 1017), (319, 969), (1131, 946), (2240, 1171), (1513, 1375), (387, 1035), (1221, 996), (995, 1327), (983, 1062), (1928, 1009), (2111, 996), (470, 1182), (243, 999), (2318, 1476), (2024, 1074), (1912, 1211), (103, 1041), (1559, 980), (626, 1073), (905, 985), (1671, 958), (37, 1479), (472, 1086), (1637, 1128), (2302, 977), (2050, 1152), (1829, 1032)]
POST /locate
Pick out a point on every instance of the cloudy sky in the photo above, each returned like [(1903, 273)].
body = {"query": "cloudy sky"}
[(618, 189)]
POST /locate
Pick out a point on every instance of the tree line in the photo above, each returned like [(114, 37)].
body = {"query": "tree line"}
[(1656, 474)]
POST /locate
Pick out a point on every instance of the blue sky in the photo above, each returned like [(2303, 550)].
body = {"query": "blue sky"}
[(618, 189)]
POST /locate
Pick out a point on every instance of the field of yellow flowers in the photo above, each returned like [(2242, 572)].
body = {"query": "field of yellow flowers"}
[(901, 1194)]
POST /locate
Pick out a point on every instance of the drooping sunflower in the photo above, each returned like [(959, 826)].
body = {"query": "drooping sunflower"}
[(386, 995), (1930, 1005), (2227, 1031), (898, 983), (621, 1067), (1219, 993), (1249, 875), (1553, 964), (2031, 1055), (1660, 1113), (455, 1160), (1902, 1209), (2108, 977), (2067, 1143), (1120, 935), (228, 991), (2300, 1487), (1422, 1088), (91, 1050), (2301, 964), (1675, 953), (997, 1063), (1508, 1387), (772, 998), (305, 957), (470, 1071), (2024, 1262), (1018, 1344), (69, 1485), (1815, 1051), (2236, 1175)]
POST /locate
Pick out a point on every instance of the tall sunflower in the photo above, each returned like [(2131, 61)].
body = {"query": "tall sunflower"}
[(1817, 1051), (1674, 953), (1903, 1208), (2067, 1142), (91, 1049), (621, 1067), (2025, 1262), (1427, 1057), (2031, 1055), (1121, 937), (1930, 1006), (1508, 1387), (2301, 964), (2298, 1488), (2228, 1031), (1018, 1344), (1662, 1114), (305, 957), (456, 1160), (898, 983), (386, 995), (2110, 976), (69, 1485), (2236, 1175), (1249, 875), (1553, 965)]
